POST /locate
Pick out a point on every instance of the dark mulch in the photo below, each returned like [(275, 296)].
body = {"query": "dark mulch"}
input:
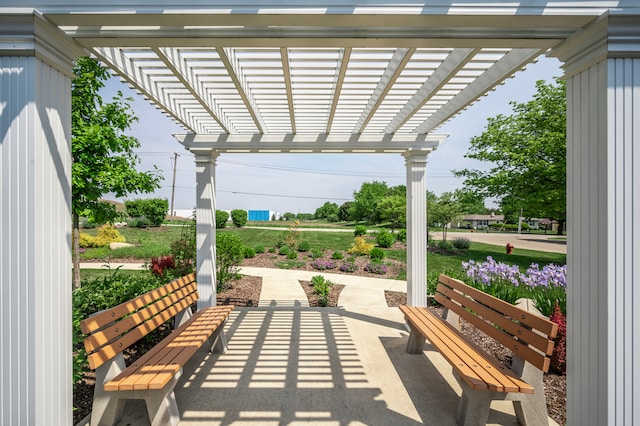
[(555, 386), (334, 294)]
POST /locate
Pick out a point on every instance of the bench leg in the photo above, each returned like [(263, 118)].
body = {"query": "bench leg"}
[(474, 406), (218, 341), (161, 405), (107, 407), (415, 344), (531, 409)]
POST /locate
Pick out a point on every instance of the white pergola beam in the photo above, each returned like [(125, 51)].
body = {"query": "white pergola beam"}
[(286, 71), (228, 58), (447, 69), (126, 69), (509, 64), (184, 74), (387, 79), (308, 143), (341, 71)]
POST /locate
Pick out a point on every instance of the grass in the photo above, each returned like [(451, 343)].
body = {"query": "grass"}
[(156, 242)]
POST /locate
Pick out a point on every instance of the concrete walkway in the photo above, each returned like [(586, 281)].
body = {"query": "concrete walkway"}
[(289, 364)]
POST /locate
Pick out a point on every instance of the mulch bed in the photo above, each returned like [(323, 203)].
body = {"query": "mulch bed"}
[(334, 294), (555, 386)]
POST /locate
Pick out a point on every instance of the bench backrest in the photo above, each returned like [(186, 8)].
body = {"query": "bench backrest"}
[(526, 334), (113, 330)]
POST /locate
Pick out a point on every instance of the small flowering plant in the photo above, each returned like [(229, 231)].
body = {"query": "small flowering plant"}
[(376, 268), (495, 278), (348, 267), (547, 286), (322, 264)]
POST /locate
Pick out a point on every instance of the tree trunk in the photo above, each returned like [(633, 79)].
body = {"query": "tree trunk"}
[(561, 227), (75, 239)]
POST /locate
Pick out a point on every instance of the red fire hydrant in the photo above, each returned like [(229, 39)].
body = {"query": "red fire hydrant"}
[(509, 248)]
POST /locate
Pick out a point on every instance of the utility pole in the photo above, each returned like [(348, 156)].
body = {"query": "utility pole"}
[(173, 185)]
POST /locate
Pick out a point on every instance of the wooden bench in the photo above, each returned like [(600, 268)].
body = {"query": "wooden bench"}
[(482, 378), (153, 376)]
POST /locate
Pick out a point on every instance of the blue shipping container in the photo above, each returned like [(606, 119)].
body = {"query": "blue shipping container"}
[(259, 215)]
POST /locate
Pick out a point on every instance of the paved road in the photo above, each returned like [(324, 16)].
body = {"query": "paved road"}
[(522, 241)]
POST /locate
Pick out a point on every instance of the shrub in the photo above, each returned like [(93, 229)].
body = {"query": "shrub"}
[(138, 222), (184, 249), (360, 230), (316, 253), (322, 264), (559, 356), (360, 247), (249, 252), (321, 287), (107, 234), (159, 265), (385, 239), (348, 267), (304, 246), (333, 218), (272, 250), (337, 255), (229, 255), (445, 245), (221, 219), (462, 243), (376, 254), (402, 236), (292, 254), (284, 250), (376, 268), (259, 248), (239, 218), (154, 209)]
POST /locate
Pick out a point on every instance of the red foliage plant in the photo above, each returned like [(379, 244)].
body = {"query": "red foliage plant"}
[(559, 356), (159, 264)]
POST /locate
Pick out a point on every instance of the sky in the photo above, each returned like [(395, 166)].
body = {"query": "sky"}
[(300, 183)]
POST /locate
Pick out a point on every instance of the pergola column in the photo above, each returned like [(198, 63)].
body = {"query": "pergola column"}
[(35, 221), (206, 227), (416, 162), (602, 67)]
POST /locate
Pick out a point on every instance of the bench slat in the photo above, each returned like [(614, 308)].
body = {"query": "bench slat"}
[(478, 372), (108, 316), (545, 326), (505, 323), (107, 352), (156, 368), (107, 335)]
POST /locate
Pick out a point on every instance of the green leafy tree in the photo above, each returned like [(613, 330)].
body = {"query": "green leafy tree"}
[(326, 210), (445, 211), (365, 201), (527, 153), (239, 218), (289, 216), (103, 157), (393, 209), (343, 212), (472, 202), (154, 209)]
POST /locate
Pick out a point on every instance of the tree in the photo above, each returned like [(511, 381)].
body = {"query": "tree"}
[(393, 209), (527, 151), (445, 211), (103, 160), (326, 210), (472, 202), (343, 212), (154, 209)]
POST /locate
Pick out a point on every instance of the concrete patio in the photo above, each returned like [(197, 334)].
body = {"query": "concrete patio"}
[(288, 364)]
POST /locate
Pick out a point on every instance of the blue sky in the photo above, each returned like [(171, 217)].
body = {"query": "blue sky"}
[(303, 182)]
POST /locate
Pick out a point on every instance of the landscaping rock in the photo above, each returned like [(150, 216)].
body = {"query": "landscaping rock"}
[(114, 246)]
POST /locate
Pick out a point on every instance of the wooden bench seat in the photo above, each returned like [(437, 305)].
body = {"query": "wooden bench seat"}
[(153, 376), (483, 379)]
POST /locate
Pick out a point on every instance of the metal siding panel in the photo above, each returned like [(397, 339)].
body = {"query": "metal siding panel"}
[(635, 234)]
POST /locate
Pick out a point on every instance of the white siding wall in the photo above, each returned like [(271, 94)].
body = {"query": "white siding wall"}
[(604, 272), (35, 243)]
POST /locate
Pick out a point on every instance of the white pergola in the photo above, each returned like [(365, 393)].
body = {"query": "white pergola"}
[(339, 77)]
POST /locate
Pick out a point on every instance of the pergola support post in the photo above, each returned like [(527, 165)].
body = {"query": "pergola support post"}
[(416, 164), (206, 227), (602, 67), (35, 222)]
